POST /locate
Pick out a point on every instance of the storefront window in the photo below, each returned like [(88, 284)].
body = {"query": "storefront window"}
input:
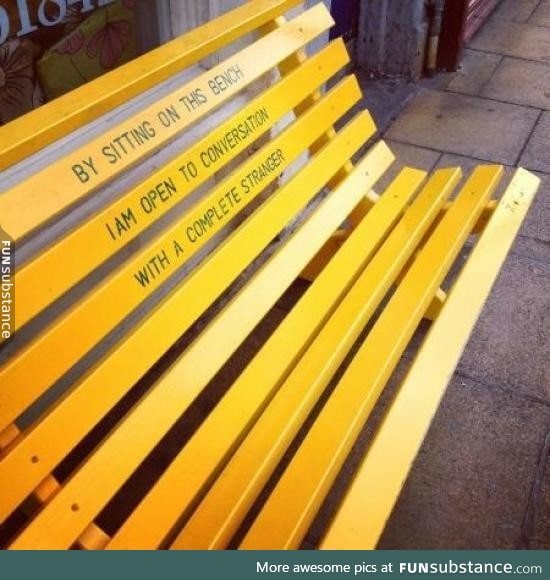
[(49, 47)]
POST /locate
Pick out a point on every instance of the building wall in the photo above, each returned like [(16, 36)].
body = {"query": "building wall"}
[(187, 14), (392, 37)]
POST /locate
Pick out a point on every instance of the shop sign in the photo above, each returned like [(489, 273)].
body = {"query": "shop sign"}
[(26, 16)]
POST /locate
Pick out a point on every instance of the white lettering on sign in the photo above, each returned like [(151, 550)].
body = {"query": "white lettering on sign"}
[(48, 13)]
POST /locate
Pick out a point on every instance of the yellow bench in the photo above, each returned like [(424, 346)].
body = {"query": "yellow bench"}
[(76, 431)]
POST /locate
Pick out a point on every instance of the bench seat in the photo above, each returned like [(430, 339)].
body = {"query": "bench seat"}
[(123, 424)]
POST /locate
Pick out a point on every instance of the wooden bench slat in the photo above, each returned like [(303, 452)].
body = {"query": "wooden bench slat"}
[(219, 515), (295, 60), (361, 517), (100, 236), (84, 324), (311, 472), (29, 133), (57, 187), (7, 436), (207, 451), (88, 491)]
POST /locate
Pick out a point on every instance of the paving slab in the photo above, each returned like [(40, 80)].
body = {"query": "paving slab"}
[(527, 247), (541, 16), (469, 487), (537, 151), (538, 533), (406, 156), (510, 344), (384, 98), (537, 223), (521, 40), (517, 11), (521, 82), (465, 125), (475, 70)]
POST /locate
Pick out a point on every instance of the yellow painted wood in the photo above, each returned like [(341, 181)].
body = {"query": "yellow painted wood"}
[(212, 445), (53, 120), (99, 238), (221, 512), (48, 486), (289, 64), (87, 492), (483, 218), (324, 255), (292, 505), (46, 489), (82, 326), (56, 188), (286, 66), (8, 435), (369, 501), (93, 538), (437, 304)]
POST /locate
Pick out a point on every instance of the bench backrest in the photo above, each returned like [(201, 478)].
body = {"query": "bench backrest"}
[(56, 119)]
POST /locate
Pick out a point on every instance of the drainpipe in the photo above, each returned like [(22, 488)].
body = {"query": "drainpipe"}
[(435, 11)]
